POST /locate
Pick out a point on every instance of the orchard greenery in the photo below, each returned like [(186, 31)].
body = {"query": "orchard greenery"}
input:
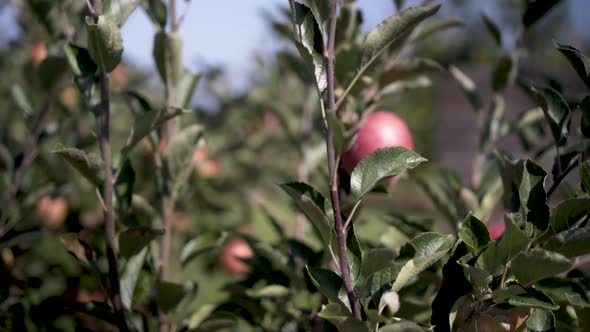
[(125, 206)]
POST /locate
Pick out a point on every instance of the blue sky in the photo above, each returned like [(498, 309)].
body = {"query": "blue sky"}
[(230, 32)]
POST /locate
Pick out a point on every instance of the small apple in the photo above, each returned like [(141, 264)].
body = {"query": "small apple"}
[(181, 222), (120, 76), (380, 130), (38, 53), (496, 230), (69, 97), (52, 211), (271, 120), (229, 259)]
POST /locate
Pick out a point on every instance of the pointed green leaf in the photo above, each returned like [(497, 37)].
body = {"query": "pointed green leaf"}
[(269, 292), (105, 44), (408, 68), (540, 320), (533, 298), (393, 30), (327, 282), (178, 156), (568, 212), (535, 10), (469, 88), (433, 26), (492, 29), (504, 73), (536, 264), (167, 54), (579, 61), (429, 248), (474, 233), (380, 164), (339, 315), (203, 243), (129, 277), (571, 243), (312, 204), (132, 240), (168, 295), (585, 176), (532, 195), (309, 42), (157, 12), (88, 164), (355, 256), (557, 112)]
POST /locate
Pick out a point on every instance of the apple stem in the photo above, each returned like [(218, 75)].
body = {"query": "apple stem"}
[(329, 54), (108, 190)]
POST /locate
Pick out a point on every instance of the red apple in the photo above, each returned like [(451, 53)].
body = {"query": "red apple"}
[(38, 53), (229, 259), (496, 230), (380, 130), (52, 211)]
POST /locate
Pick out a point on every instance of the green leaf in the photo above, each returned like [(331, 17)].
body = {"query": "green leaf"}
[(579, 61), (380, 164), (568, 212), (540, 320), (563, 290), (21, 99), (511, 172), (532, 195), (270, 291), (355, 256), (502, 295), (469, 88), (327, 282), (124, 187), (168, 295), (6, 161), (571, 243), (504, 73), (479, 278), (433, 26), (474, 233), (129, 277), (535, 10), (533, 298), (339, 315), (408, 68), (157, 12), (75, 247), (341, 141), (536, 264), (321, 11), (119, 10), (429, 248), (492, 29), (557, 112), (178, 156), (88, 164), (313, 205), (377, 259), (392, 30), (513, 241), (132, 240), (403, 326), (201, 244), (310, 43), (105, 44), (585, 121), (167, 54), (185, 89)]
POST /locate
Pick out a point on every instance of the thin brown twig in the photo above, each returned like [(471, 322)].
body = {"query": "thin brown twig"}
[(108, 191), (332, 168)]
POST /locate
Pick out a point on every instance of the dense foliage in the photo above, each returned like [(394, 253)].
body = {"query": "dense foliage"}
[(124, 206)]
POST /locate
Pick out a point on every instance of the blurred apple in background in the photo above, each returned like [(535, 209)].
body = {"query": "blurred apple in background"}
[(496, 230), (229, 259), (52, 211), (38, 53)]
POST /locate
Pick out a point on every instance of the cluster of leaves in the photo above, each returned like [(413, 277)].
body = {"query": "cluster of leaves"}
[(409, 271)]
